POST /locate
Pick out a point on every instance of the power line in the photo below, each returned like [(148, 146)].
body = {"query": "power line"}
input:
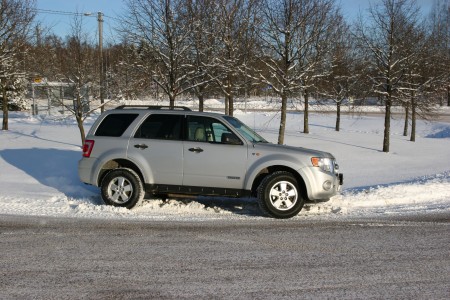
[(105, 18), (58, 12), (68, 13)]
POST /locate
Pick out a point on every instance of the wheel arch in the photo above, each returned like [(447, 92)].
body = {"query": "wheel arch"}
[(275, 168), (118, 163)]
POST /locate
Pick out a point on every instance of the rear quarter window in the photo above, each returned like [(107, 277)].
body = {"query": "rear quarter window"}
[(165, 127), (115, 124)]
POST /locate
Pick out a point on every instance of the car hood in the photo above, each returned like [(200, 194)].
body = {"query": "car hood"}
[(290, 149)]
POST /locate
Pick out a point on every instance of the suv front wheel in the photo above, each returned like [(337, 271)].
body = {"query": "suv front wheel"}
[(279, 195), (122, 187)]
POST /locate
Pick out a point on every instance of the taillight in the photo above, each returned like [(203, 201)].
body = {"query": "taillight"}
[(87, 148)]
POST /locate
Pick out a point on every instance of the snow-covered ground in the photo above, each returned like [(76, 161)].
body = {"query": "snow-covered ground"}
[(39, 156)]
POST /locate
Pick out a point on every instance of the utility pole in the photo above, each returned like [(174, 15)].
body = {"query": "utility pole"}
[(100, 49)]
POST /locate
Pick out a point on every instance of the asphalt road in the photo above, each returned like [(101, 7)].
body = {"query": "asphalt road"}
[(259, 258)]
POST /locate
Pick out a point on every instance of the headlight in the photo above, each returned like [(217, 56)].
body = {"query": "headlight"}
[(325, 164)]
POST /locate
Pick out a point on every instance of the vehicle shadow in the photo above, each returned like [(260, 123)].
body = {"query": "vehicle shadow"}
[(54, 168), (35, 136), (238, 206), (212, 204)]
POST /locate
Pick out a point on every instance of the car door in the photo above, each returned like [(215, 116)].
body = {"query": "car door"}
[(210, 159), (157, 147)]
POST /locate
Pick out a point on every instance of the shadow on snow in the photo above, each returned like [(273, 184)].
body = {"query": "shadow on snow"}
[(54, 168)]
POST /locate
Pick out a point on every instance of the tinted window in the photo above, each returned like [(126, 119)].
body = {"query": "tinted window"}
[(115, 124), (205, 129), (165, 127)]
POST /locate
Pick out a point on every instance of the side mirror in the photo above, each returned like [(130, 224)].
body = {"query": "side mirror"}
[(230, 139)]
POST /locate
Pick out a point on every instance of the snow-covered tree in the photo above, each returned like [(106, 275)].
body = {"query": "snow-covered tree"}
[(202, 17), (440, 41), (415, 86), (161, 31), (316, 40), (383, 33), (15, 93), (15, 19), (343, 78), (292, 47), (124, 76), (234, 29), (77, 68)]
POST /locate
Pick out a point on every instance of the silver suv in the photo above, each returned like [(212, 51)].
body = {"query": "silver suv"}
[(156, 151)]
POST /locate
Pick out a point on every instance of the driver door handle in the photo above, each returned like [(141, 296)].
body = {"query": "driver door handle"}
[(196, 149), (142, 146)]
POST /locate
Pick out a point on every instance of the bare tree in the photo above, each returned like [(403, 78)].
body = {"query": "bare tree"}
[(42, 60), (77, 67), (440, 41), (15, 19), (344, 75), (202, 18), (124, 76), (415, 85), (292, 48), (279, 36), (235, 26), (161, 33), (383, 35), (315, 41)]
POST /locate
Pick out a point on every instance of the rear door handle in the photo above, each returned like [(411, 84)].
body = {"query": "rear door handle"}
[(196, 149), (142, 146)]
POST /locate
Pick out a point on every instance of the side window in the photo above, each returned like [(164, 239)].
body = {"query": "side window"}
[(115, 124), (197, 129), (205, 129), (162, 127), (218, 130)]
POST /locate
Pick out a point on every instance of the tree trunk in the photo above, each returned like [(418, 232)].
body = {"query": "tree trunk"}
[(306, 115), (229, 108), (81, 128), (338, 115), (282, 120), (200, 101), (413, 120), (5, 111), (405, 127), (448, 95), (226, 104), (231, 105), (79, 118), (387, 125), (171, 101)]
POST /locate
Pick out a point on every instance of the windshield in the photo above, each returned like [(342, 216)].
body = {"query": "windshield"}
[(246, 131)]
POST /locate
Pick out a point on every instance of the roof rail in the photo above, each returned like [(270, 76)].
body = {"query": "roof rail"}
[(155, 107)]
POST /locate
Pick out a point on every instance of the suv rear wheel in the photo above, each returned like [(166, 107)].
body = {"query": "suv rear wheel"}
[(279, 195), (122, 187)]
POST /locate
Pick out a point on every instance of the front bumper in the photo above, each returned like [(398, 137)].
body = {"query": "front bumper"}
[(324, 185)]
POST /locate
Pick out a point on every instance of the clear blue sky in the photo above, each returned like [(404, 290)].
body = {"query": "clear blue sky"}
[(351, 8), (60, 23)]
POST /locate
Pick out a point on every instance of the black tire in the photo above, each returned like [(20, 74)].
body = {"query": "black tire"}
[(123, 188), (279, 195)]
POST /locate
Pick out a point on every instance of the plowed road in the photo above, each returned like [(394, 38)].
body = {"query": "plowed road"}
[(44, 258)]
